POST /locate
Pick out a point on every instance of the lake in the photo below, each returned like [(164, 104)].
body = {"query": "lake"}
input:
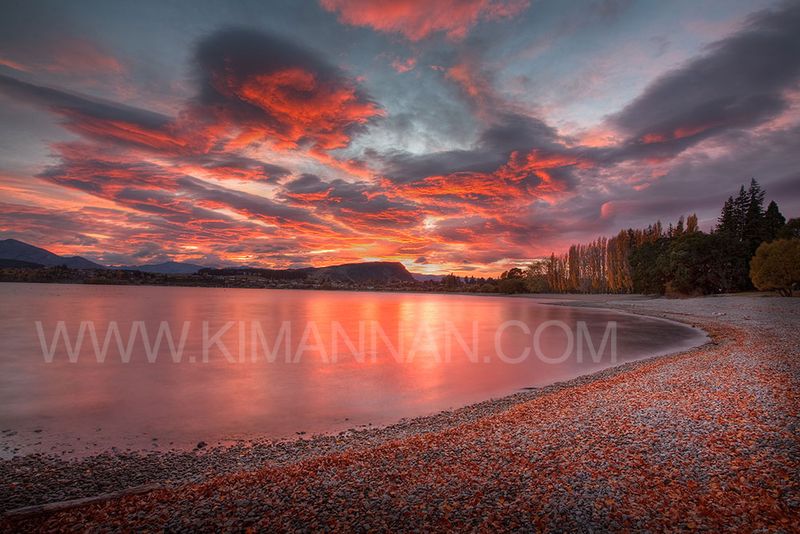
[(183, 365)]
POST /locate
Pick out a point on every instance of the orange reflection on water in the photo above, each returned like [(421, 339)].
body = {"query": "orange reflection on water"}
[(408, 360)]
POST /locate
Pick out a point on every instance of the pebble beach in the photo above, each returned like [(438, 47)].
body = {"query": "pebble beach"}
[(707, 439)]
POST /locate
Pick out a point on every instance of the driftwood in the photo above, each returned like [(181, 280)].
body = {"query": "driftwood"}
[(72, 503)]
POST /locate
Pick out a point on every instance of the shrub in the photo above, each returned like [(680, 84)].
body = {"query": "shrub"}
[(776, 265)]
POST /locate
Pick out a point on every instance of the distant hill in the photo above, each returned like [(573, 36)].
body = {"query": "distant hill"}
[(23, 255), (372, 271), (379, 272), (168, 267), (427, 277), (19, 264), (12, 249)]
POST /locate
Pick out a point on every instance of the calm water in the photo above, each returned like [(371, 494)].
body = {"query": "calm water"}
[(344, 359)]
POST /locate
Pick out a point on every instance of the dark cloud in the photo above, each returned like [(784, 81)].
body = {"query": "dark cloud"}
[(246, 203), (508, 133), (512, 131), (306, 183), (78, 105), (739, 82)]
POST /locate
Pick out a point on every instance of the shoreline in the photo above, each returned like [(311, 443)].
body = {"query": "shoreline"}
[(219, 464), (374, 434)]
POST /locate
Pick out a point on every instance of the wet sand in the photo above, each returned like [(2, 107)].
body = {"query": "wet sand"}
[(702, 439)]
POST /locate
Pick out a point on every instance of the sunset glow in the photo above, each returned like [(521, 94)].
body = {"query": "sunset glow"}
[(464, 138)]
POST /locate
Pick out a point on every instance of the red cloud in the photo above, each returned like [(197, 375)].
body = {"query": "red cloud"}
[(524, 178), (124, 131), (302, 105), (680, 132), (417, 19), (257, 87)]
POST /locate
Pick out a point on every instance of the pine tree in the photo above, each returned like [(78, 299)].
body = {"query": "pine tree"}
[(727, 218), (773, 222), (740, 206), (753, 227)]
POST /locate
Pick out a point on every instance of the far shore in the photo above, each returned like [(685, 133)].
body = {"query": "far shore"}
[(680, 422)]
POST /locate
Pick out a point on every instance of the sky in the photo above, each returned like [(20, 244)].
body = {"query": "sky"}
[(460, 136)]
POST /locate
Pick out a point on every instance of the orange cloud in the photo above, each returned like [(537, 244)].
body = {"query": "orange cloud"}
[(124, 131), (679, 133), (289, 97), (417, 19), (304, 106), (523, 179)]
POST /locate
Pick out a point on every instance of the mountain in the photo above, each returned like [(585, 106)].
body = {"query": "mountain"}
[(371, 271), (15, 253), (378, 272), (19, 264), (168, 267), (11, 249)]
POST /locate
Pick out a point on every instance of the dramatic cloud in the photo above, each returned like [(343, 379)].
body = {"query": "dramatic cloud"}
[(417, 19), (74, 105), (435, 149), (153, 189), (508, 133), (253, 88), (273, 89), (356, 204), (740, 81)]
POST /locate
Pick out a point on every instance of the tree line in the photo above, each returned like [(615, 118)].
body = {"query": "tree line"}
[(678, 259)]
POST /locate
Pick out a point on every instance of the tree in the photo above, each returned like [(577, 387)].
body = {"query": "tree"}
[(727, 218), (701, 263), (740, 206), (679, 228), (691, 224), (753, 222), (648, 267), (536, 277), (773, 222), (776, 265), (451, 281), (514, 272), (790, 230), (512, 285)]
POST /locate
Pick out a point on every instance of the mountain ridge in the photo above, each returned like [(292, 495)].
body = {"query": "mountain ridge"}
[(14, 249), (18, 254)]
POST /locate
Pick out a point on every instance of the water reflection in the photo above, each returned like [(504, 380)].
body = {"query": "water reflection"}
[(330, 388)]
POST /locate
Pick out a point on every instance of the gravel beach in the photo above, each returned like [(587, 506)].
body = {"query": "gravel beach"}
[(708, 439)]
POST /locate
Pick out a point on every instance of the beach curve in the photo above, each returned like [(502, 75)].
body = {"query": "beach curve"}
[(664, 442)]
